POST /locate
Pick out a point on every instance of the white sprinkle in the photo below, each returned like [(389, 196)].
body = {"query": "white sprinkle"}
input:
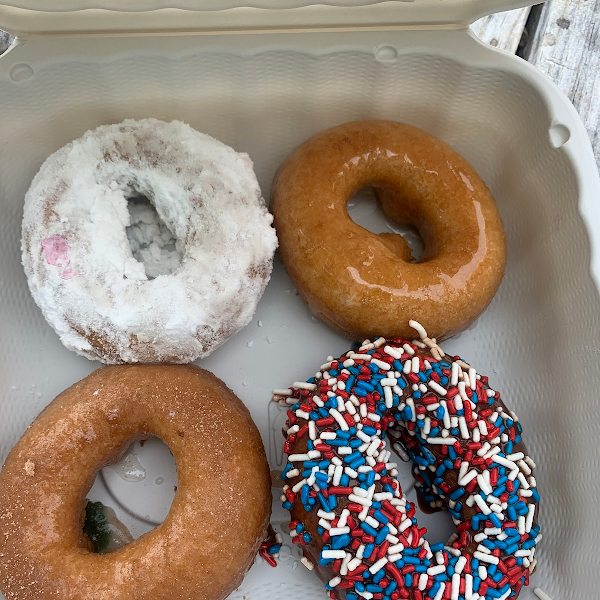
[(436, 387), (482, 572), (339, 530), (482, 427), (338, 417), (345, 562), (351, 472), (464, 430), (378, 565), (454, 375), (521, 525), (381, 364), (468, 585), (402, 453), (406, 367), (305, 560), (529, 461), (423, 578), (282, 392), (437, 570), (360, 551), (353, 564), (515, 457), (488, 558), (325, 524), (312, 430), (372, 522), (418, 328), (336, 580), (541, 594), (388, 397), (524, 483), (524, 467), (343, 518), (292, 473), (373, 447), (393, 352), (505, 462), (302, 414), (470, 501), (441, 591), (408, 349), (359, 500), (462, 392), (472, 377), (411, 404), (485, 509), (328, 435), (484, 486), (476, 434), (333, 554), (337, 475), (344, 450), (455, 586), (302, 385), (348, 363), (298, 486), (330, 516), (529, 519), (365, 357), (472, 474)]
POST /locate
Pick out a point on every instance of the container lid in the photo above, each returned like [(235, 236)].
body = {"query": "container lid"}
[(40, 17)]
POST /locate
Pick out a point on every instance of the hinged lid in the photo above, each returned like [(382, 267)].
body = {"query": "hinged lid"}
[(34, 17)]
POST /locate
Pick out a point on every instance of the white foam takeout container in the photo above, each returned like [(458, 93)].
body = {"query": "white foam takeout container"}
[(263, 76)]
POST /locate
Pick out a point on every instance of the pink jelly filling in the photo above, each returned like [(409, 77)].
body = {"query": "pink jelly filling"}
[(56, 251)]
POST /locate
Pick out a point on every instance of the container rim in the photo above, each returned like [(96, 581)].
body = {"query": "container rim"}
[(31, 18)]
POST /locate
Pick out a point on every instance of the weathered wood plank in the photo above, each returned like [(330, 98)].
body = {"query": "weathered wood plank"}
[(502, 30), (566, 46), (5, 41)]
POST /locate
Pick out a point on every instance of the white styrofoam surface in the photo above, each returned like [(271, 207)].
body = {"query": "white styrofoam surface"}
[(538, 339)]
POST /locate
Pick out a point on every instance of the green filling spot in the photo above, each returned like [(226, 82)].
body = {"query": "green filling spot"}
[(96, 526)]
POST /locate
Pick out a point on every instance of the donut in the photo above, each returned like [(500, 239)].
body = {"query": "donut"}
[(364, 284), (356, 528), (79, 263), (218, 517)]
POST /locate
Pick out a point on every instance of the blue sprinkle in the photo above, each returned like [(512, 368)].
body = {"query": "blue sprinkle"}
[(352, 457), (457, 493), (451, 453), (535, 495), (355, 443), (412, 560), (368, 529), (325, 561), (370, 430), (495, 520), (530, 543), (420, 569), (287, 505), (416, 395), (369, 550), (437, 547), (364, 385), (408, 413), (513, 548), (407, 579), (344, 480), (352, 596), (371, 479), (287, 468), (340, 541), (383, 532), (375, 589), (306, 537), (332, 502), (439, 413), (512, 513), (358, 463), (476, 582)]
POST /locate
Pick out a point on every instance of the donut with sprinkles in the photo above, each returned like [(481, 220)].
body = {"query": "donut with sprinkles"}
[(357, 529)]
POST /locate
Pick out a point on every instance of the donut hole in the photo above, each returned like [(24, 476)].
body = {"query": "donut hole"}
[(152, 243), (131, 496), (404, 240), (438, 521)]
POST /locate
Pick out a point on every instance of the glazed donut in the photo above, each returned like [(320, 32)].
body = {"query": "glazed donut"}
[(79, 263), (364, 284), (356, 527), (218, 517)]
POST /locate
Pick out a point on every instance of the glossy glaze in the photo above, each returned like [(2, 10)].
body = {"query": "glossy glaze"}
[(363, 284), (198, 552)]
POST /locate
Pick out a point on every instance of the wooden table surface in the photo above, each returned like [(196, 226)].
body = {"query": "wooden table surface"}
[(561, 38)]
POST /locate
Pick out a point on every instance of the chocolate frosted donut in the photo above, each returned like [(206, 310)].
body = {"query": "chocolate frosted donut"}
[(356, 528), (79, 263), (364, 284), (217, 520)]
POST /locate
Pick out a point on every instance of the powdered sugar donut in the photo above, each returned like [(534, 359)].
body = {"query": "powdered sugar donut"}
[(78, 258)]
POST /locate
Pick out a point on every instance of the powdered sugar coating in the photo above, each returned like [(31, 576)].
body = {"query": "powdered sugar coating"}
[(79, 264)]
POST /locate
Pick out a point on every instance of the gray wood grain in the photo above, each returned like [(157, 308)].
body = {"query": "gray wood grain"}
[(502, 30), (5, 41), (566, 46)]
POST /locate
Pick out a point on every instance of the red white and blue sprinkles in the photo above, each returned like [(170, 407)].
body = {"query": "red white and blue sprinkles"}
[(357, 529)]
